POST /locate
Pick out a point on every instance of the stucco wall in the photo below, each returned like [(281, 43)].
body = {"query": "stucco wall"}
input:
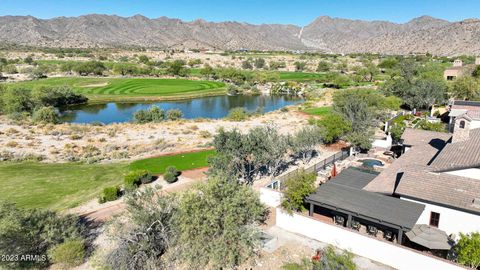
[(451, 221), (270, 197), (380, 251)]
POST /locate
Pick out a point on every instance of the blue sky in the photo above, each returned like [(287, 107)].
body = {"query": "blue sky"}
[(299, 12)]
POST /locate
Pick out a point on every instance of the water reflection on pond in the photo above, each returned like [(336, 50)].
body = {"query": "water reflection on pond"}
[(206, 107)]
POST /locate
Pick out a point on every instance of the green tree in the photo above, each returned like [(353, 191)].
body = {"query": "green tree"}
[(244, 156), (333, 127), (146, 233), (468, 249), (466, 88), (216, 224), (177, 68), (388, 63), (296, 189), (207, 71), (17, 100), (323, 66), (304, 142), (143, 59), (300, 65)]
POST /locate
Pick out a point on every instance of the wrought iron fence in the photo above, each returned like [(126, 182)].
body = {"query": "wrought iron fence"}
[(321, 165)]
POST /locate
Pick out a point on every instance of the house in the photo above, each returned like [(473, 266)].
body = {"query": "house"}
[(440, 171), (436, 182), (466, 111), (458, 69)]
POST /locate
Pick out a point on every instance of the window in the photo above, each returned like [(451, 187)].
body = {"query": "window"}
[(434, 219), (462, 124)]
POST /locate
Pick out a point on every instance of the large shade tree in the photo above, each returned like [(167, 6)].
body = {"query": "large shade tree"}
[(216, 224)]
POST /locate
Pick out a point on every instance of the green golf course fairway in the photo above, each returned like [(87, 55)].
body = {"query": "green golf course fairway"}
[(61, 186), (132, 89)]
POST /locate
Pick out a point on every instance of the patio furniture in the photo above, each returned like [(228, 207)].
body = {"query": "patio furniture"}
[(372, 230), (356, 225), (339, 220), (429, 237)]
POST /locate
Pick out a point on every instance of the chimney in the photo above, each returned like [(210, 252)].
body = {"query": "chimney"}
[(461, 131)]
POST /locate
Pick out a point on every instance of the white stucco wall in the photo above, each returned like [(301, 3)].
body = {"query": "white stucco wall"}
[(270, 197), (470, 173), (451, 221), (387, 253)]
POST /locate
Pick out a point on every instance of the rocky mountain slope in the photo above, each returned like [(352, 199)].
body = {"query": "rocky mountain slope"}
[(420, 35)]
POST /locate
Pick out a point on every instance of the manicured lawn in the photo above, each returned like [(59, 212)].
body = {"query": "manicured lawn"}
[(66, 185), (320, 111), (116, 89), (182, 162), (56, 186)]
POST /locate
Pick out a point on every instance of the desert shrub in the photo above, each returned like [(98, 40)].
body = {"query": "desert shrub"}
[(68, 254), (34, 231), (237, 114), (174, 114), (109, 194), (16, 100), (46, 115), (153, 114), (334, 127), (171, 174), (135, 178), (297, 188)]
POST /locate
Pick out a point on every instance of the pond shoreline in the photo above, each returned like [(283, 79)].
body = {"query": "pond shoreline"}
[(208, 107)]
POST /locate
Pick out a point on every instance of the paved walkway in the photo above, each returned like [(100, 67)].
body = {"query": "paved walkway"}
[(282, 238)]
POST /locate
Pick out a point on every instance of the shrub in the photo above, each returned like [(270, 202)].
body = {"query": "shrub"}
[(135, 178), (237, 114), (109, 194), (174, 114), (34, 231), (297, 188), (153, 114), (334, 127), (69, 254), (46, 115), (171, 174), (468, 249)]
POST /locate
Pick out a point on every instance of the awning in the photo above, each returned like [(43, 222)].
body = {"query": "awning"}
[(429, 237)]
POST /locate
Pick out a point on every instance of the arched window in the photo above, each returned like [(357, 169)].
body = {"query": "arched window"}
[(462, 124)]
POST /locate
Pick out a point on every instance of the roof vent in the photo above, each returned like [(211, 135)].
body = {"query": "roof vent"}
[(476, 202)]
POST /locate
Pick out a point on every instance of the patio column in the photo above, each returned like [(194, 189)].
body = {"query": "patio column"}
[(310, 211), (400, 236), (349, 221)]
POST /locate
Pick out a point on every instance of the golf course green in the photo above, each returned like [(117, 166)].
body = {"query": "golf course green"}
[(131, 89)]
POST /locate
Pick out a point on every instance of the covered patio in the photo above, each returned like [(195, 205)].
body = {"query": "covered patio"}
[(347, 205)]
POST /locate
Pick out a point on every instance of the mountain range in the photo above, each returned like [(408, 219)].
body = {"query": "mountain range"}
[(325, 34)]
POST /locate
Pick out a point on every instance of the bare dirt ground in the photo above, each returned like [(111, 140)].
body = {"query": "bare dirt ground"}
[(126, 141)]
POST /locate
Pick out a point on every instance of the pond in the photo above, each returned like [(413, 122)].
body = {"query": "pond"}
[(205, 107)]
